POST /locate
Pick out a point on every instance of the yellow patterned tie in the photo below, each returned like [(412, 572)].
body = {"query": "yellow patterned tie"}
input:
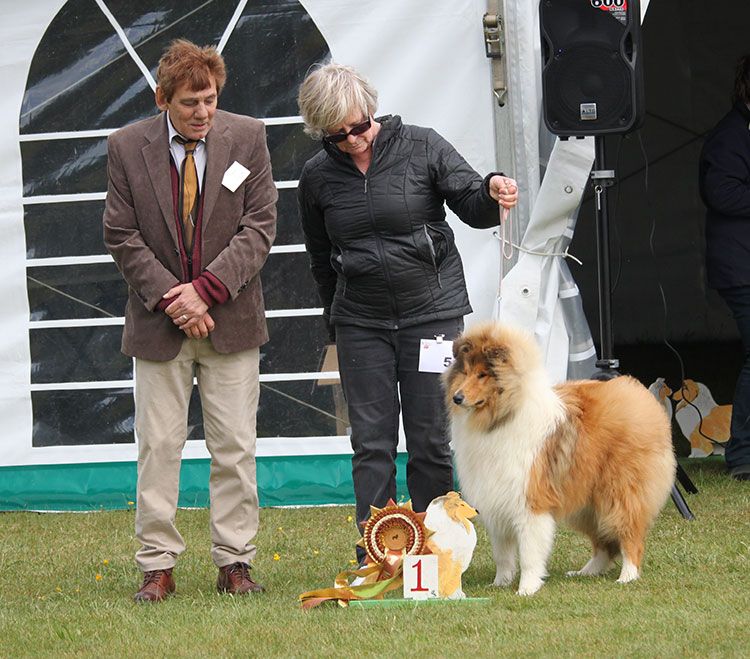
[(188, 192)]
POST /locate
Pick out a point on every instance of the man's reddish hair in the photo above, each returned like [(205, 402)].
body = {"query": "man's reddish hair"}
[(184, 62)]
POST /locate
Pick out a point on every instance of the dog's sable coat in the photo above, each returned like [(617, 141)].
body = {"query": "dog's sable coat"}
[(597, 454)]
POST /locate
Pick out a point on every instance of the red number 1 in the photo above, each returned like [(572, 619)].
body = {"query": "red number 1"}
[(419, 588)]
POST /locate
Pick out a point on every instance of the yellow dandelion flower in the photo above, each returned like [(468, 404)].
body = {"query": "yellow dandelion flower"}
[(281, 528), (105, 561), (58, 589), (131, 503), (349, 518), (352, 561), (78, 590), (98, 577), (276, 557), (315, 552)]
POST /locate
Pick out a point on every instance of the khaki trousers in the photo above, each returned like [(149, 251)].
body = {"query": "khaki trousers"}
[(228, 386)]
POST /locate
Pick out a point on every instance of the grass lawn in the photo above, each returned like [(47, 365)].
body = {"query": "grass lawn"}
[(66, 583)]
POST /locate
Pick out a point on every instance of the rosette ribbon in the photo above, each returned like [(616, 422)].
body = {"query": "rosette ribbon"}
[(378, 579), (388, 535)]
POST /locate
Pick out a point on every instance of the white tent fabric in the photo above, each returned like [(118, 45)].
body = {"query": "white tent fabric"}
[(428, 62), (539, 293), (434, 74)]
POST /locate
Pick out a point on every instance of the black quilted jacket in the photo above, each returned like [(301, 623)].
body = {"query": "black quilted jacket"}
[(380, 249)]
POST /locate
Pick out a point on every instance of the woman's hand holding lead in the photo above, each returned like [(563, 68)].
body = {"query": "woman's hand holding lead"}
[(504, 191)]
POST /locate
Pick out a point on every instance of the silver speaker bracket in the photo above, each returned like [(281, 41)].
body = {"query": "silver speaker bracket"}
[(603, 177)]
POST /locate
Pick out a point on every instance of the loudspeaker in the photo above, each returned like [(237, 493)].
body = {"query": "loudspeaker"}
[(592, 66)]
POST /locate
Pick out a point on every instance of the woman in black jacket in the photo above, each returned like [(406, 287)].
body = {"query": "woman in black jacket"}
[(388, 272), (725, 190)]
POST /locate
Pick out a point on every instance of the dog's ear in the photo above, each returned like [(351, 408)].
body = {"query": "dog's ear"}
[(496, 353), (461, 346)]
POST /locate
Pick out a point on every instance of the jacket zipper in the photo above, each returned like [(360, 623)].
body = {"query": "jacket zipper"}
[(381, 251)]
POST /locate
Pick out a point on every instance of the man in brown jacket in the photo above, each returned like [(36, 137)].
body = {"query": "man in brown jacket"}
[(190, 218)]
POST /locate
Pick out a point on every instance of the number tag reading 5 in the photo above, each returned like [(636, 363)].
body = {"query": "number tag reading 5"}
[(435, 355)]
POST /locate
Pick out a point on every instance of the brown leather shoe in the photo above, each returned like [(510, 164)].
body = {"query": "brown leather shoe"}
[(235, 579), (156, 586)]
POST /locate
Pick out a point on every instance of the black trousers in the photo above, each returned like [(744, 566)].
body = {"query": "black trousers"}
[(380, 377), (737, 452)]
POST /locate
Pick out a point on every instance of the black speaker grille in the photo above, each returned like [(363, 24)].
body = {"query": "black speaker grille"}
[(591, 57), (588, 74)]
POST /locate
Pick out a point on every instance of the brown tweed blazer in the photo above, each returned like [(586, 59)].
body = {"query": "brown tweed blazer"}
[(238, 229)]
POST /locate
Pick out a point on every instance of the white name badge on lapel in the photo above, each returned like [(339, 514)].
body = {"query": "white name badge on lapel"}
[(420, 577), (234, 176), (435, 355)]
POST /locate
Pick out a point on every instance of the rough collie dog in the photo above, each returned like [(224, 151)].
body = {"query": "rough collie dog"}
[(595, 454)]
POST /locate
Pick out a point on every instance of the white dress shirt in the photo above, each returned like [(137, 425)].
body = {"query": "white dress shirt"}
[(178, 152)]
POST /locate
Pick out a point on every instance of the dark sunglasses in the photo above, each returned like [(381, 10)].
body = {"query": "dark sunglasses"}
[(356, 130)]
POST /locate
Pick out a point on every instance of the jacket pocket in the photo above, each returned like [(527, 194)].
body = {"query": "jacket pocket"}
[(337, 261), (441, 239), (355, 262), (437, 248), (434, 244)]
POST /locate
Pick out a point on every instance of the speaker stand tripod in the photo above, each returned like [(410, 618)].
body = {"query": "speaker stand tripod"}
[(607, 364)]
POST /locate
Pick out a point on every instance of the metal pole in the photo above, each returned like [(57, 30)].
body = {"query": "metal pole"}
[(607, 365), (602, 179)]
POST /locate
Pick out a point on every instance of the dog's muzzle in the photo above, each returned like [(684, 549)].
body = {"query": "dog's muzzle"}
[(458, 397)]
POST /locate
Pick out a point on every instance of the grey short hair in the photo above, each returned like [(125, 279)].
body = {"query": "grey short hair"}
[(330, 93)]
